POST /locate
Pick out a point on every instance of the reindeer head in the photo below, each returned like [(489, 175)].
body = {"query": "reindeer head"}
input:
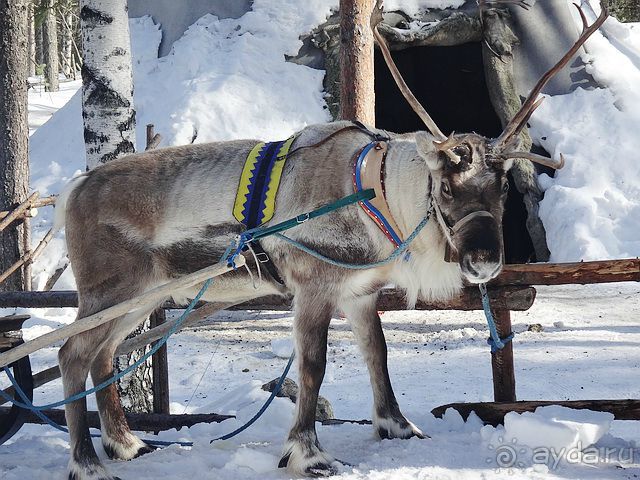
[(469, 172)]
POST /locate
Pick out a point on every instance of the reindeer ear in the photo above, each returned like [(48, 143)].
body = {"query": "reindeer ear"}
[(428, 152)]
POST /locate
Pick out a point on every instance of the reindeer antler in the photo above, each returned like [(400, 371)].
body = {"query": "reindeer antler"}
[(520, 119), (376, 18)]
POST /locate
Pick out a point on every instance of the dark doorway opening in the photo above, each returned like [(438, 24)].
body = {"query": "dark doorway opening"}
[(450, 83)]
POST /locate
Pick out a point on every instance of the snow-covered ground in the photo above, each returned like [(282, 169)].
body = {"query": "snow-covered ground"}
[(228, 79), (435, 358)]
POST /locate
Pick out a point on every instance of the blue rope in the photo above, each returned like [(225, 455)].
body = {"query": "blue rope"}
[(494, 340), (119, 375), (273, 395)]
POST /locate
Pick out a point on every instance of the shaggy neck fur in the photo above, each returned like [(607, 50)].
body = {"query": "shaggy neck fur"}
[(407, 182)]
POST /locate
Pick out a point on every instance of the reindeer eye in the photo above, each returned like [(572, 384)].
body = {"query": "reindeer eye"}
[(445, 189), (505, 187)]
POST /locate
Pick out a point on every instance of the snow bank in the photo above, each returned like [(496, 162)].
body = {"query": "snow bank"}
[(557, 427), (591, 209), (414, 7)]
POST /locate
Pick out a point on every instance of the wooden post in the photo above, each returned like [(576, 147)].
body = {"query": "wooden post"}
[(504, 379), (160, 374), (357, 92)]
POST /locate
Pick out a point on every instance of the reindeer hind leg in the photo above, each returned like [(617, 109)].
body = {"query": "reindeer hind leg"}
[(117, 439)]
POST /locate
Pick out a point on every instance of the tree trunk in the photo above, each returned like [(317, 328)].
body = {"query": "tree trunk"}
[(107, 84), (626, 10), (357, 93), (14, 133), (109, 132), (50, 46), (38, 33), (31, 28), (66, 53)]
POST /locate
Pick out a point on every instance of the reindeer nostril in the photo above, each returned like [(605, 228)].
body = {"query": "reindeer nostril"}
[(468, 265)]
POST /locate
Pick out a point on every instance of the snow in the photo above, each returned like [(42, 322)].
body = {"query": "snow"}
[(228, 79), (415, 7), (431, 363), (591, 208), (282, 347)]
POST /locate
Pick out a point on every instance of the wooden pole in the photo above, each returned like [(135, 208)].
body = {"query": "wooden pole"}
[(604, 271), (160, 369), (504, 378), (153, 139), (136, 421), (511, 298), (357, 86), (108, 314), (493, 413)]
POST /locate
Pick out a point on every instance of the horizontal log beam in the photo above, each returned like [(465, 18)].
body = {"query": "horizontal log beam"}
[(605, 271), (493, 413), (511, 298), (156, 422)]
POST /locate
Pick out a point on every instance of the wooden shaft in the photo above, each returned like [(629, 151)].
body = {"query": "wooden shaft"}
[(160, 369), (154, 334), (29, 254), (136, 421), (493, 413), (18, 211), (97, 319), (504, 378)]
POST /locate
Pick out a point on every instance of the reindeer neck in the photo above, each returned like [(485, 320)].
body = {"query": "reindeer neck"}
[(407, 183)]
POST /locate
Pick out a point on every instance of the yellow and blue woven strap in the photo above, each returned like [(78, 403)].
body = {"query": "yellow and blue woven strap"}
[(256, 197)]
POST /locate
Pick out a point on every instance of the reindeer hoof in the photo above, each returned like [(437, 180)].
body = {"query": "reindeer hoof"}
[(145, 449), (392, 427), (321, 470)]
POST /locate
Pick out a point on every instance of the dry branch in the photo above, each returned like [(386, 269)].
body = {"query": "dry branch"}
[(28, 257), (31, 212), (19, 211)]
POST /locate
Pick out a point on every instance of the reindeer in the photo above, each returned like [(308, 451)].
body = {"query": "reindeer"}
[(140, 221)]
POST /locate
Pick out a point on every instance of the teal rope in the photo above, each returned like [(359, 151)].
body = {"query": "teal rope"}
[(494, 340), (394, 255)]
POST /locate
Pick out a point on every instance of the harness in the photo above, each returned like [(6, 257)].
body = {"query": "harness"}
[(256, 195)]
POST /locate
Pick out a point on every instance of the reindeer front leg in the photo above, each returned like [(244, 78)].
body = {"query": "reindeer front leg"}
[(302, 453), (388, 421)]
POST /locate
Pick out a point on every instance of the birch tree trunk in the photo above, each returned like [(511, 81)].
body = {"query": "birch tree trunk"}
[(109, 133), (50, 46), (357, 88), (107, 84), (14, 131)]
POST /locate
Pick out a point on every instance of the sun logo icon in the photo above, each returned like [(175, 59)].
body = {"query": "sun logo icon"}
[(505, 455)]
